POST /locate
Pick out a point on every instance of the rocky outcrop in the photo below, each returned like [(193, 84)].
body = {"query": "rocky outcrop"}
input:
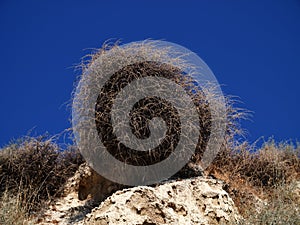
[(85, 190), (91, 199), (94, 185), (191, 201)]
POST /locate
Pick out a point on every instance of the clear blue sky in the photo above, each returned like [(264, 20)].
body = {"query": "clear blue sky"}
[(253, 48)]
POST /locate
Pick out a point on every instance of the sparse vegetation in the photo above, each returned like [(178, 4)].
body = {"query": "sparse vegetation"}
[(271, 174), (282, 207), (32, 173)]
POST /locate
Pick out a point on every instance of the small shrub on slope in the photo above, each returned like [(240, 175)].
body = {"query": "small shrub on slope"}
[(35, 170)]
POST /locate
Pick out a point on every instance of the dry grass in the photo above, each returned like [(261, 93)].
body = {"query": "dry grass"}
[(282, 207), (29, 179), (267, 174), (32, 173), (13, 209)]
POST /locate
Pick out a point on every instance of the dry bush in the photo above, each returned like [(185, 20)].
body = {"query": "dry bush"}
[(154, 62), (145, 110), (12, 210), (282, 207), (251, 175), (265, 168), (35, 170)]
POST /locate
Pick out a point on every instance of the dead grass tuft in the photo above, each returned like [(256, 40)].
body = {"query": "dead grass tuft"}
[(34, 170), (251, 176)]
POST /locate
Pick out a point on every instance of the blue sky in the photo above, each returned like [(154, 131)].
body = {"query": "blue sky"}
[(253, 48)]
